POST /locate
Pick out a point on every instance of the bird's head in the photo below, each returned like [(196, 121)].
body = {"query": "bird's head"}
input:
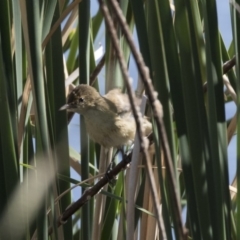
[(81, 99)]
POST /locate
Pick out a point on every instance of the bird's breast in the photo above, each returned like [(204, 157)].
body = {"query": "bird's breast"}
[(108, 129)]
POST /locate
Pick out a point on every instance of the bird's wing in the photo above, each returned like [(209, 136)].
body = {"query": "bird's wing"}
[(119, 100)]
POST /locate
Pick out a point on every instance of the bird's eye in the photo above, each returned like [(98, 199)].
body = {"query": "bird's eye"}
[(80, 100)]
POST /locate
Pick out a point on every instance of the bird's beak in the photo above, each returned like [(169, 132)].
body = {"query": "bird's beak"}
[(64, 107)]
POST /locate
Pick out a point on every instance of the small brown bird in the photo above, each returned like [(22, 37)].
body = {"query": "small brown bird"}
[(108, 118)]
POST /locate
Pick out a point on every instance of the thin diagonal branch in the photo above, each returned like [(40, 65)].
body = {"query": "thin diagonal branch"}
[(227, 66), (97, 70), (92, 191), (89, 193), (157, 110), (136, 113)]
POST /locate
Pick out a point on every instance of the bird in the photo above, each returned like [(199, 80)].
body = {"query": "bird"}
[(108, 118)]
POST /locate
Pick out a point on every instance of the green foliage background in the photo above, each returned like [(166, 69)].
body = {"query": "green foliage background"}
[(183, 49)]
